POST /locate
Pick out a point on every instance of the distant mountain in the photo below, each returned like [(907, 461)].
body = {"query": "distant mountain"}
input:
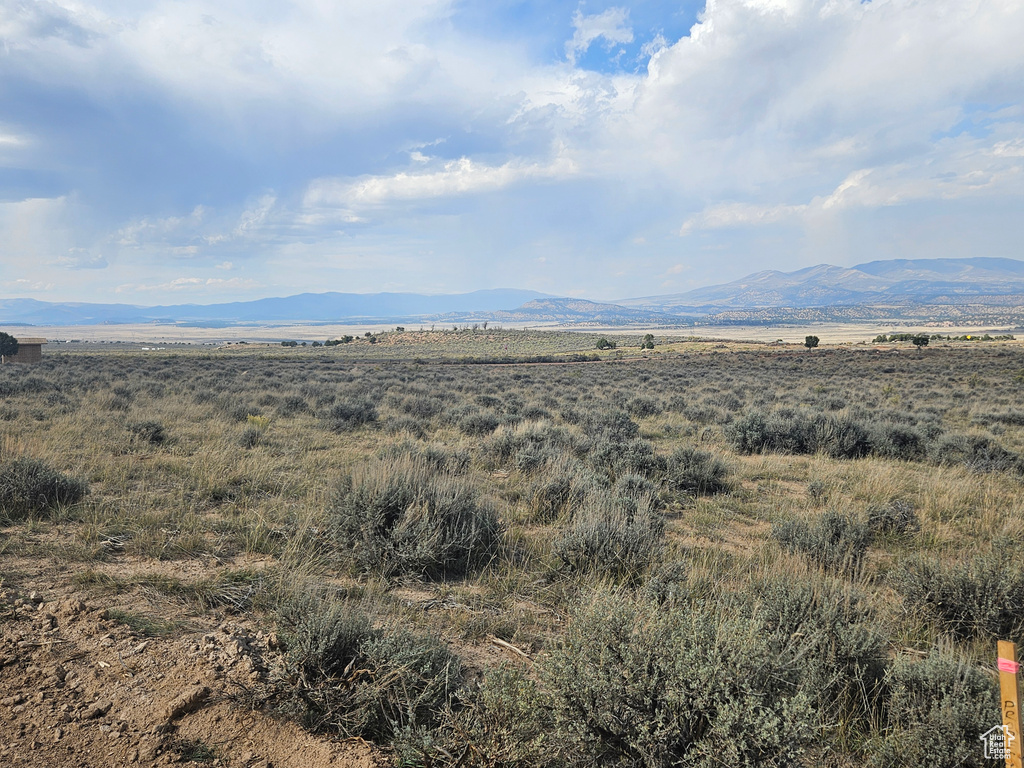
[(940, 281), (303, 308), (579, 312)]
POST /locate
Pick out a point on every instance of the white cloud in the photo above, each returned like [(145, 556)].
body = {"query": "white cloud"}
[(81, 258), (191, 284), (612, 25), (455, 177), (23, 285), (146, 230)]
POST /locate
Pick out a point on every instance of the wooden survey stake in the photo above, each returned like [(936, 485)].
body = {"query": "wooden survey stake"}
[(1010, 696)]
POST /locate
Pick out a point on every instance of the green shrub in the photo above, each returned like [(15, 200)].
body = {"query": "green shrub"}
[(28, 486), (635, 457), (356, 680), (897, 441), (633, 684), (401, 516), (982, 597), (351, 414), (560, 489), (843, 646), (611, 536), (835, 542), (693, 471), (976, 452), (506, 721), (936, 711), (479, 423)]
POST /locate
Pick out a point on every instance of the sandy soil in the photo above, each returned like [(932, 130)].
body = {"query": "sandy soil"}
[(80, 689)]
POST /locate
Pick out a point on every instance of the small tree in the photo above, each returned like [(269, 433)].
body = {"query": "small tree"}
[(648, 342), (603, 343), (811, 342), (920, 340), (8, 346)]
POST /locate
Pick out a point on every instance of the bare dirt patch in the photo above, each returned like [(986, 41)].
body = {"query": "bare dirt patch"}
[(79, 688)]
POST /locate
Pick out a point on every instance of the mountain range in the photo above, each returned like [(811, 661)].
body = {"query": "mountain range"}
[(877, 284), (919, 281)]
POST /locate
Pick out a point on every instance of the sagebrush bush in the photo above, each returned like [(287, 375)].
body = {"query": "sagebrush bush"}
[(401, 516), (843, 645), (976, 452), (356, 680), (695, 472), (351, 414), (611, 536), (981, 597), (895, 518), (633, 457), (30, 486), (936, 711), (633, 684), (836, 542), (560, 489), (505, 721), (835, 435)]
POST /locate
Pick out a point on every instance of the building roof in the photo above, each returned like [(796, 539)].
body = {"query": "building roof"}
[(31, 341)]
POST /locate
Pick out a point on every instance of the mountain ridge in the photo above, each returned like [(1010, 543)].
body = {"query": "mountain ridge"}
[(821, 285)]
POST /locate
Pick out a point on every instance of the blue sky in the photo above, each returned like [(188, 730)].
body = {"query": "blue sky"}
[(171, 151)]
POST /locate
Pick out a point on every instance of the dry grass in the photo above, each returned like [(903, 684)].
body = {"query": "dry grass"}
[(251, 462)]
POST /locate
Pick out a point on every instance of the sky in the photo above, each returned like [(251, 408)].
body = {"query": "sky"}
[(177, 151)]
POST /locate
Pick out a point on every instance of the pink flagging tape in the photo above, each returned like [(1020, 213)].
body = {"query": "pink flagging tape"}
[(1005, 665)]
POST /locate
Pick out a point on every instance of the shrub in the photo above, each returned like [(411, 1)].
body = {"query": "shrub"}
[(837, 437), (896, 441), (641, 407), (843, 647), (976, 452), (351, 414), (560, 489), (151, 432), (983, 597), (479, 423), (402, 516), (614, 426), (835, 542), (693, 471), (611, 536), (507, 721), (364, 682), (634, 684), (636, 457), (30, 485), (896, 518), (936, 710)]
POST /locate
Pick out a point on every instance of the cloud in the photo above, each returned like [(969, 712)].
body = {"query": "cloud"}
[(612, 25), (279, 136), (23, 285), (147, 230), (192, 284), (78, 258), (453, 178)]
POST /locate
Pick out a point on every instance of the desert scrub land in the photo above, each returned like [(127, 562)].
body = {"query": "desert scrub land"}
[(744, 557)]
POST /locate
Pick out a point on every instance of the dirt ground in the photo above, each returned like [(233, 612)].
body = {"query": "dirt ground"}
[(78, 688)]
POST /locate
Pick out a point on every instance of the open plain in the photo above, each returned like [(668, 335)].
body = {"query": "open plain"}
[(502, 547)]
